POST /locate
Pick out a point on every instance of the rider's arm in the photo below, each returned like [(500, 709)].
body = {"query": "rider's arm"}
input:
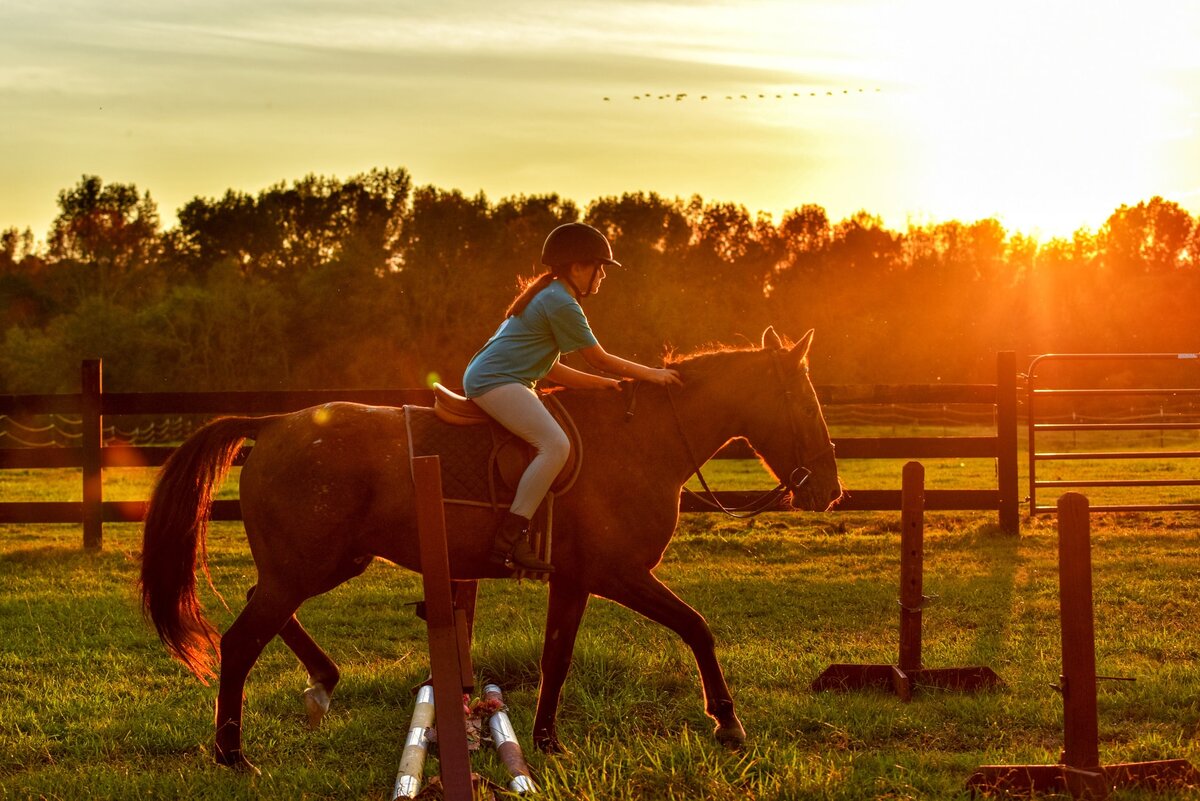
[(601, 359), (577, 379)]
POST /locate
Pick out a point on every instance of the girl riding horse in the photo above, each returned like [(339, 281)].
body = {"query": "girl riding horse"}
[(544, 321)]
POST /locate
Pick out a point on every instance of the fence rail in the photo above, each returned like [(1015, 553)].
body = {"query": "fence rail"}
[(1037, 394), (92, 456)]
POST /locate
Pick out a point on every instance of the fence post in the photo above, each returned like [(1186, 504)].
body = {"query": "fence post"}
[(1006, 440), (912, 555), (1081, 738), (91, 387)]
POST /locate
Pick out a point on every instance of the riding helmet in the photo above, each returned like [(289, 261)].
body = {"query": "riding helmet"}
[(576, 243)]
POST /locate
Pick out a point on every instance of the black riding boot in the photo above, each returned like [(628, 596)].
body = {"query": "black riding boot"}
[(511, 546)]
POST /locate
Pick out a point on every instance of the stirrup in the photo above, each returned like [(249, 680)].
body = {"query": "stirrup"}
[(539, 567)]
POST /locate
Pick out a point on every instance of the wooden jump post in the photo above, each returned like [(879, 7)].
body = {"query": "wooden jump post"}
[(1079, 771), (449, 647), (909, 673)]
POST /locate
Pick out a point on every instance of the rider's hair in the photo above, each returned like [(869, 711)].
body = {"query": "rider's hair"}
[(527, 289)]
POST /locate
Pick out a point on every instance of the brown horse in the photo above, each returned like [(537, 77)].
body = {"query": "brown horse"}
[(325, 490)]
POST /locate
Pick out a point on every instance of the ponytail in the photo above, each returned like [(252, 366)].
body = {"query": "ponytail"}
[(528, 287)]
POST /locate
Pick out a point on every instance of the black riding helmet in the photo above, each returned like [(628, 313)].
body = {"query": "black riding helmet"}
[(576, 243)]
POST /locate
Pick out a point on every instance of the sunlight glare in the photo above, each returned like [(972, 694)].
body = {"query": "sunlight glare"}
[(1053, 112)]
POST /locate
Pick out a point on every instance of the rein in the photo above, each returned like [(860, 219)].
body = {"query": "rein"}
[(771, 498)]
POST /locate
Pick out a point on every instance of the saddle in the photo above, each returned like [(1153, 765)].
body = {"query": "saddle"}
[(482, 462)]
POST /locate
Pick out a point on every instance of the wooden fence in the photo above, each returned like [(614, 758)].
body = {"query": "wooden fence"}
[(92, 404)]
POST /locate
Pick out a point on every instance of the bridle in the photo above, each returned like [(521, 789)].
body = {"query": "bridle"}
[(771, 499)]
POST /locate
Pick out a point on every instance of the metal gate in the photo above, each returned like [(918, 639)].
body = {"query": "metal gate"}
[(1038, 397)]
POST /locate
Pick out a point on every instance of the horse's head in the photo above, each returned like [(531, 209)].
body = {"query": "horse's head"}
[(784, 424)]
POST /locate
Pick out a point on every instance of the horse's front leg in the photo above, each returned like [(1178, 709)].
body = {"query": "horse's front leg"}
[(564, 611), (645, 594)]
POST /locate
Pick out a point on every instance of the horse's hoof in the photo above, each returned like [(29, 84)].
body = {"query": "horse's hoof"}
[(316, 703), (237, 762), (549, 745), (732, 737)]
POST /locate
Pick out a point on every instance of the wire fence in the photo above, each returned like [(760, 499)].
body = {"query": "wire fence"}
[(62, 431)]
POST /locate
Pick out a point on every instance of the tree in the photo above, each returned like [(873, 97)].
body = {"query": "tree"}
[(107, 236), (521, 224), (286, 232), (24, 296), (806, 236), (229, 333), (864, 247), (15, 247), (728, 265), (642, 306), (1151, 237)]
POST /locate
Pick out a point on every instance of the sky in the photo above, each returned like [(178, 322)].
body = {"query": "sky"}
[(1047, 115)]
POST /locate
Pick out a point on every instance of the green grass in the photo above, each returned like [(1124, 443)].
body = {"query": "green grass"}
[(93, 706)]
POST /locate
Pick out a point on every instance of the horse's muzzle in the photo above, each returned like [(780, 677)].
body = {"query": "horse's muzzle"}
[(807, 495), (798, 478)]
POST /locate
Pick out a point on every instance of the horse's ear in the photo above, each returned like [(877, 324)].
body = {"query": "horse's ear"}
[(799, 351), (771, 340)]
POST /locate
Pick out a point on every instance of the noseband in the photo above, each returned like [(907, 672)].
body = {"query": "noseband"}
[(770, 499)]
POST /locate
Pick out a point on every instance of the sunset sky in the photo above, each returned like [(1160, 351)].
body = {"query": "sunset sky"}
[(1047, 115)]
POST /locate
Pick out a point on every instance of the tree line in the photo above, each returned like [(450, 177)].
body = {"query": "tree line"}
[(375, 282)]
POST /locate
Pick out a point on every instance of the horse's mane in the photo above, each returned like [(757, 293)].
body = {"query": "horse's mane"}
[(707, 356)]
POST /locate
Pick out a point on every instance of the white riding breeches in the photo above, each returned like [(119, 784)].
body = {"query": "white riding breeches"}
[(518, 409)]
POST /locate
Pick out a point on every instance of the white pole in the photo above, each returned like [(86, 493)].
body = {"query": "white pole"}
[(412, 760), (505, 740)]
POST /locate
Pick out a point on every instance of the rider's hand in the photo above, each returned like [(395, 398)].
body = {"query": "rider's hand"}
[(665, 376)]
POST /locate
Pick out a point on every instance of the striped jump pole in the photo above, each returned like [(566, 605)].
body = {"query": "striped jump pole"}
[(507, 746), (909, 672), (416, 746), (1079, 771)]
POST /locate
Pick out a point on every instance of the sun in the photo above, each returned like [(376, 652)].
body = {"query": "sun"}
[(1040, 115)]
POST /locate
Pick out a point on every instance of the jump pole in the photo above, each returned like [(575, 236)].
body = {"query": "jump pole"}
[(416, 746), (507, 746), (909, 672), (1079, 771), (449, 665)]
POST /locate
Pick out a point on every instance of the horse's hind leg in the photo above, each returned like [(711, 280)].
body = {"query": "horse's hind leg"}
[(648, 596), (563, 613), (323, 673), (264, 616)]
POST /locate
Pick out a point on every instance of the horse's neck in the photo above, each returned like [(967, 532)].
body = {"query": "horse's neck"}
[(677, 444), (701, 419), (688, 426)]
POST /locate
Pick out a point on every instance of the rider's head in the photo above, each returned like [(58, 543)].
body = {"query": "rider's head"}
[(578, 253)]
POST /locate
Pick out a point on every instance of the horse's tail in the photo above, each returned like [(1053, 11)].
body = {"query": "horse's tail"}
[(176, 527)]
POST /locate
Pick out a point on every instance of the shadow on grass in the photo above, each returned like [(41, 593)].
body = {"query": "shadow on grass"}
[(986, 597), (65, 557)]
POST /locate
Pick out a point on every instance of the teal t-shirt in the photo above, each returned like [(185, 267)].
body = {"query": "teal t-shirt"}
[(525, 346)]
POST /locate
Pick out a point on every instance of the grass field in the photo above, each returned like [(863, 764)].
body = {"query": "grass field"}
[(93, 707)]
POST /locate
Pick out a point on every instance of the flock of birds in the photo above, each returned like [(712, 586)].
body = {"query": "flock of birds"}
[(681, 96)]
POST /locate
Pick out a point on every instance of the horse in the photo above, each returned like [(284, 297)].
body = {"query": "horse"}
[(327, 489)]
